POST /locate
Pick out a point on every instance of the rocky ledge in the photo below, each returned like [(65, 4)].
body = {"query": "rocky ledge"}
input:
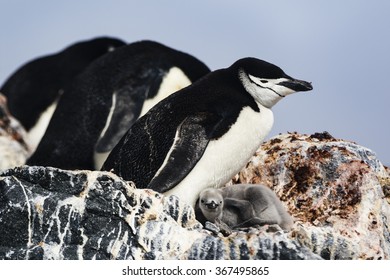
[(337, 192), (49, 213)]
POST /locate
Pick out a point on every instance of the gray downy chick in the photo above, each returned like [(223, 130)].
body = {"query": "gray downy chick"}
[(242, 205)]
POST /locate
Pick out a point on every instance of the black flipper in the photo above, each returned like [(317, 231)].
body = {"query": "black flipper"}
[(246, 212), (126, 110), (244, 207), (191, 140), (130, 97)]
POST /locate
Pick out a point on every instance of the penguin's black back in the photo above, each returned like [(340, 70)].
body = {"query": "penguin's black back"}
[(37, 84), (141, 152), (135, 70)]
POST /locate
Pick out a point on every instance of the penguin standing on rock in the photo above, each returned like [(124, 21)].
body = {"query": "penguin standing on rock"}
[(33, 90), (204, 134), (106, 99)]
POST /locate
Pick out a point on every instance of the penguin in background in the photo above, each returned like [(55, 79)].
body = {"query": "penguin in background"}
[(203, 135), (33, 90), (107, 98)]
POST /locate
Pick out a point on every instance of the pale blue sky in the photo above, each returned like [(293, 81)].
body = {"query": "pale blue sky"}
[(341, 46)]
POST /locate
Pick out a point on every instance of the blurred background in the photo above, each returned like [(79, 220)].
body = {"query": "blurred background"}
[(343, 47)]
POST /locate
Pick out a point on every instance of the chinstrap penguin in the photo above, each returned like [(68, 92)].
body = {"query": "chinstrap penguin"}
[(107, 97), (204, 134), (34, 88), (242, 205)]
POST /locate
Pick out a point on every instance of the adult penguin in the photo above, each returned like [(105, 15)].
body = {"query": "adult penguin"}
[(107, 98), (33, 89), (203, 135)]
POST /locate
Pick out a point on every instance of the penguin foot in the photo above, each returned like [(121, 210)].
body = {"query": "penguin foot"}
[(218, 228)]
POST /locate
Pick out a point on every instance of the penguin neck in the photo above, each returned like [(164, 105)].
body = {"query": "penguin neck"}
[(230, 85), (213, 216), (192, 67), (219, 217), (174, 80)]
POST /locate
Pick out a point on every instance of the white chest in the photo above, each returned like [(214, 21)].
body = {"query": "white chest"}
[(227, 155), (38, 130)]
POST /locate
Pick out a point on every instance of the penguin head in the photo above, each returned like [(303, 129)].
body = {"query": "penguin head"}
[(266, 82), (211, 204), (86, 51)]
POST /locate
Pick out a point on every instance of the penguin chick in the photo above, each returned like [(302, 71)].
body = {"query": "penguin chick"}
[(33, 89), (243, 206), (204, 134), (107, 98)]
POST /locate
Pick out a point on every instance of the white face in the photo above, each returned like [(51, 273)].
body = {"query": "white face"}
[(208, 196), (267, 92)]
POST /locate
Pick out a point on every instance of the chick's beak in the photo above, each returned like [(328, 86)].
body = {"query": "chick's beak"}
[(211, 205)]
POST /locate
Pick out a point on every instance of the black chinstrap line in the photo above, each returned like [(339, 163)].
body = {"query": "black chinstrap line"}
[(252, 81)]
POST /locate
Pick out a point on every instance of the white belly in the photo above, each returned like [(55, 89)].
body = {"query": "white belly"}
[(35, 134), (226, 156)]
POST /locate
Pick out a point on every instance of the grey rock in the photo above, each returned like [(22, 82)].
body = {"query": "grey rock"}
[(336, 190), (48, 213)]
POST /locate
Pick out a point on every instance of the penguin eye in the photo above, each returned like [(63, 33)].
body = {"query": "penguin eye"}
[(264, 81)]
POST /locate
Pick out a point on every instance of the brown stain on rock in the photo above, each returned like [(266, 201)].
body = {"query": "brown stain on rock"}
[(323, 181), (320, 179), (324, 136)]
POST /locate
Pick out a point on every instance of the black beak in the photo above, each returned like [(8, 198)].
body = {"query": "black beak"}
[(297, 85), (211, 205)]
